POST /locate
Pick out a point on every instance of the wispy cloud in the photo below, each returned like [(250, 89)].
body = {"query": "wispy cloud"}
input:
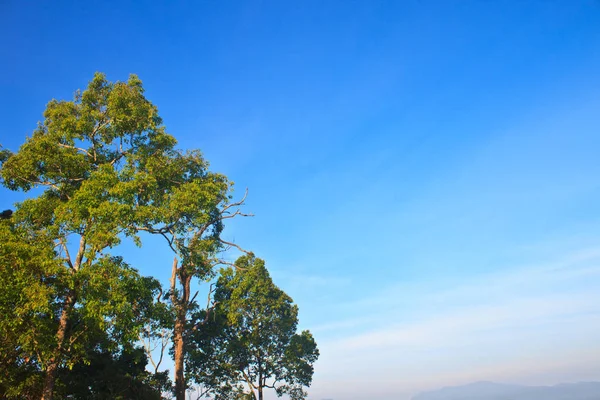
[(493, 326)]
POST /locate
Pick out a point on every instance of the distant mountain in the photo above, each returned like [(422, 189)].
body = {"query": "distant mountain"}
[(499, 391)]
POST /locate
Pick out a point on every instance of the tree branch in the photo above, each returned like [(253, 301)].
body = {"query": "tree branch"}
[(193, 298), (163, 345), (148, 351), (43, 183), (173, 280), (248, 380), (231, 244), (66, 146), (164, 342), (66, 249), (237, 212), (237, 203), (209, 308), (80, 253)]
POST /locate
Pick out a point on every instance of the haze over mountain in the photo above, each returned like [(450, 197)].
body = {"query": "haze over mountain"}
[(499, 391)]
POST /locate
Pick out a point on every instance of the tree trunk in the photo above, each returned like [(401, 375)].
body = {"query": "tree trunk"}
[(181, 305), (63, 327), (49, 379), (260, 380), (178, 350), (54, 362)]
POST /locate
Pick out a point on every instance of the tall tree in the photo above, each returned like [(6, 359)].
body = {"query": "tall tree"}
[(186, 204), (250, 339), (85, 160)]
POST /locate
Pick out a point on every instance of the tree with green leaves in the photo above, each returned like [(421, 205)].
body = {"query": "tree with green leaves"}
[(88, 161), (249, 341), (113, 300), (108, 170), (188, 205)]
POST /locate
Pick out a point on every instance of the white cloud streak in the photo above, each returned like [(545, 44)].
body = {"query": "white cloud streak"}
[(527, 320)]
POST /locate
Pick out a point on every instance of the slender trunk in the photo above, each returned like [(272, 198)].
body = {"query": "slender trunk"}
[(260, 379), (63, 325), (178, 349), (48, 391), (54, 362), (181, 305)]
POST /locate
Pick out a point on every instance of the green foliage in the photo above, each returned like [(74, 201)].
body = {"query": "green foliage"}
[(109, 376), (31, 278), (64, 291), (114, 303), (182, 201), (105, 170), (250, 338)]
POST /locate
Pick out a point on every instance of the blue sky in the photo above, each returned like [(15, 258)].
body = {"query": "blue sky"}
[(424, 175)]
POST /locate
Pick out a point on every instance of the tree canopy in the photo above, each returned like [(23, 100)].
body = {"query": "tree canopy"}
[(85, 159), (249, 342)]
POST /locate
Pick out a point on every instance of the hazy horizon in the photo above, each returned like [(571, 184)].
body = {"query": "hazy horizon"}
[(424, 175)]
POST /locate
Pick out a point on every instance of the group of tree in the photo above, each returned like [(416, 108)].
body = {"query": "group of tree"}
[(74, 317)]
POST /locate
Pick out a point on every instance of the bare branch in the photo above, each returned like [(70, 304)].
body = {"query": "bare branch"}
[(231, 244), (163, 345), (193, 298), (201, 392), (271, 386), (97, 127), (148, 351), (43, 183), (66, 249), (163, 231), (209, 308), (118, 157), (169, 241), (235, 204), (80, 253), (173, 277), (66, 146), (164, 342), (220, 261), (237, 212)]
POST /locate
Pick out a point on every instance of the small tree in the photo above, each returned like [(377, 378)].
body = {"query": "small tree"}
[(249, 338)]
